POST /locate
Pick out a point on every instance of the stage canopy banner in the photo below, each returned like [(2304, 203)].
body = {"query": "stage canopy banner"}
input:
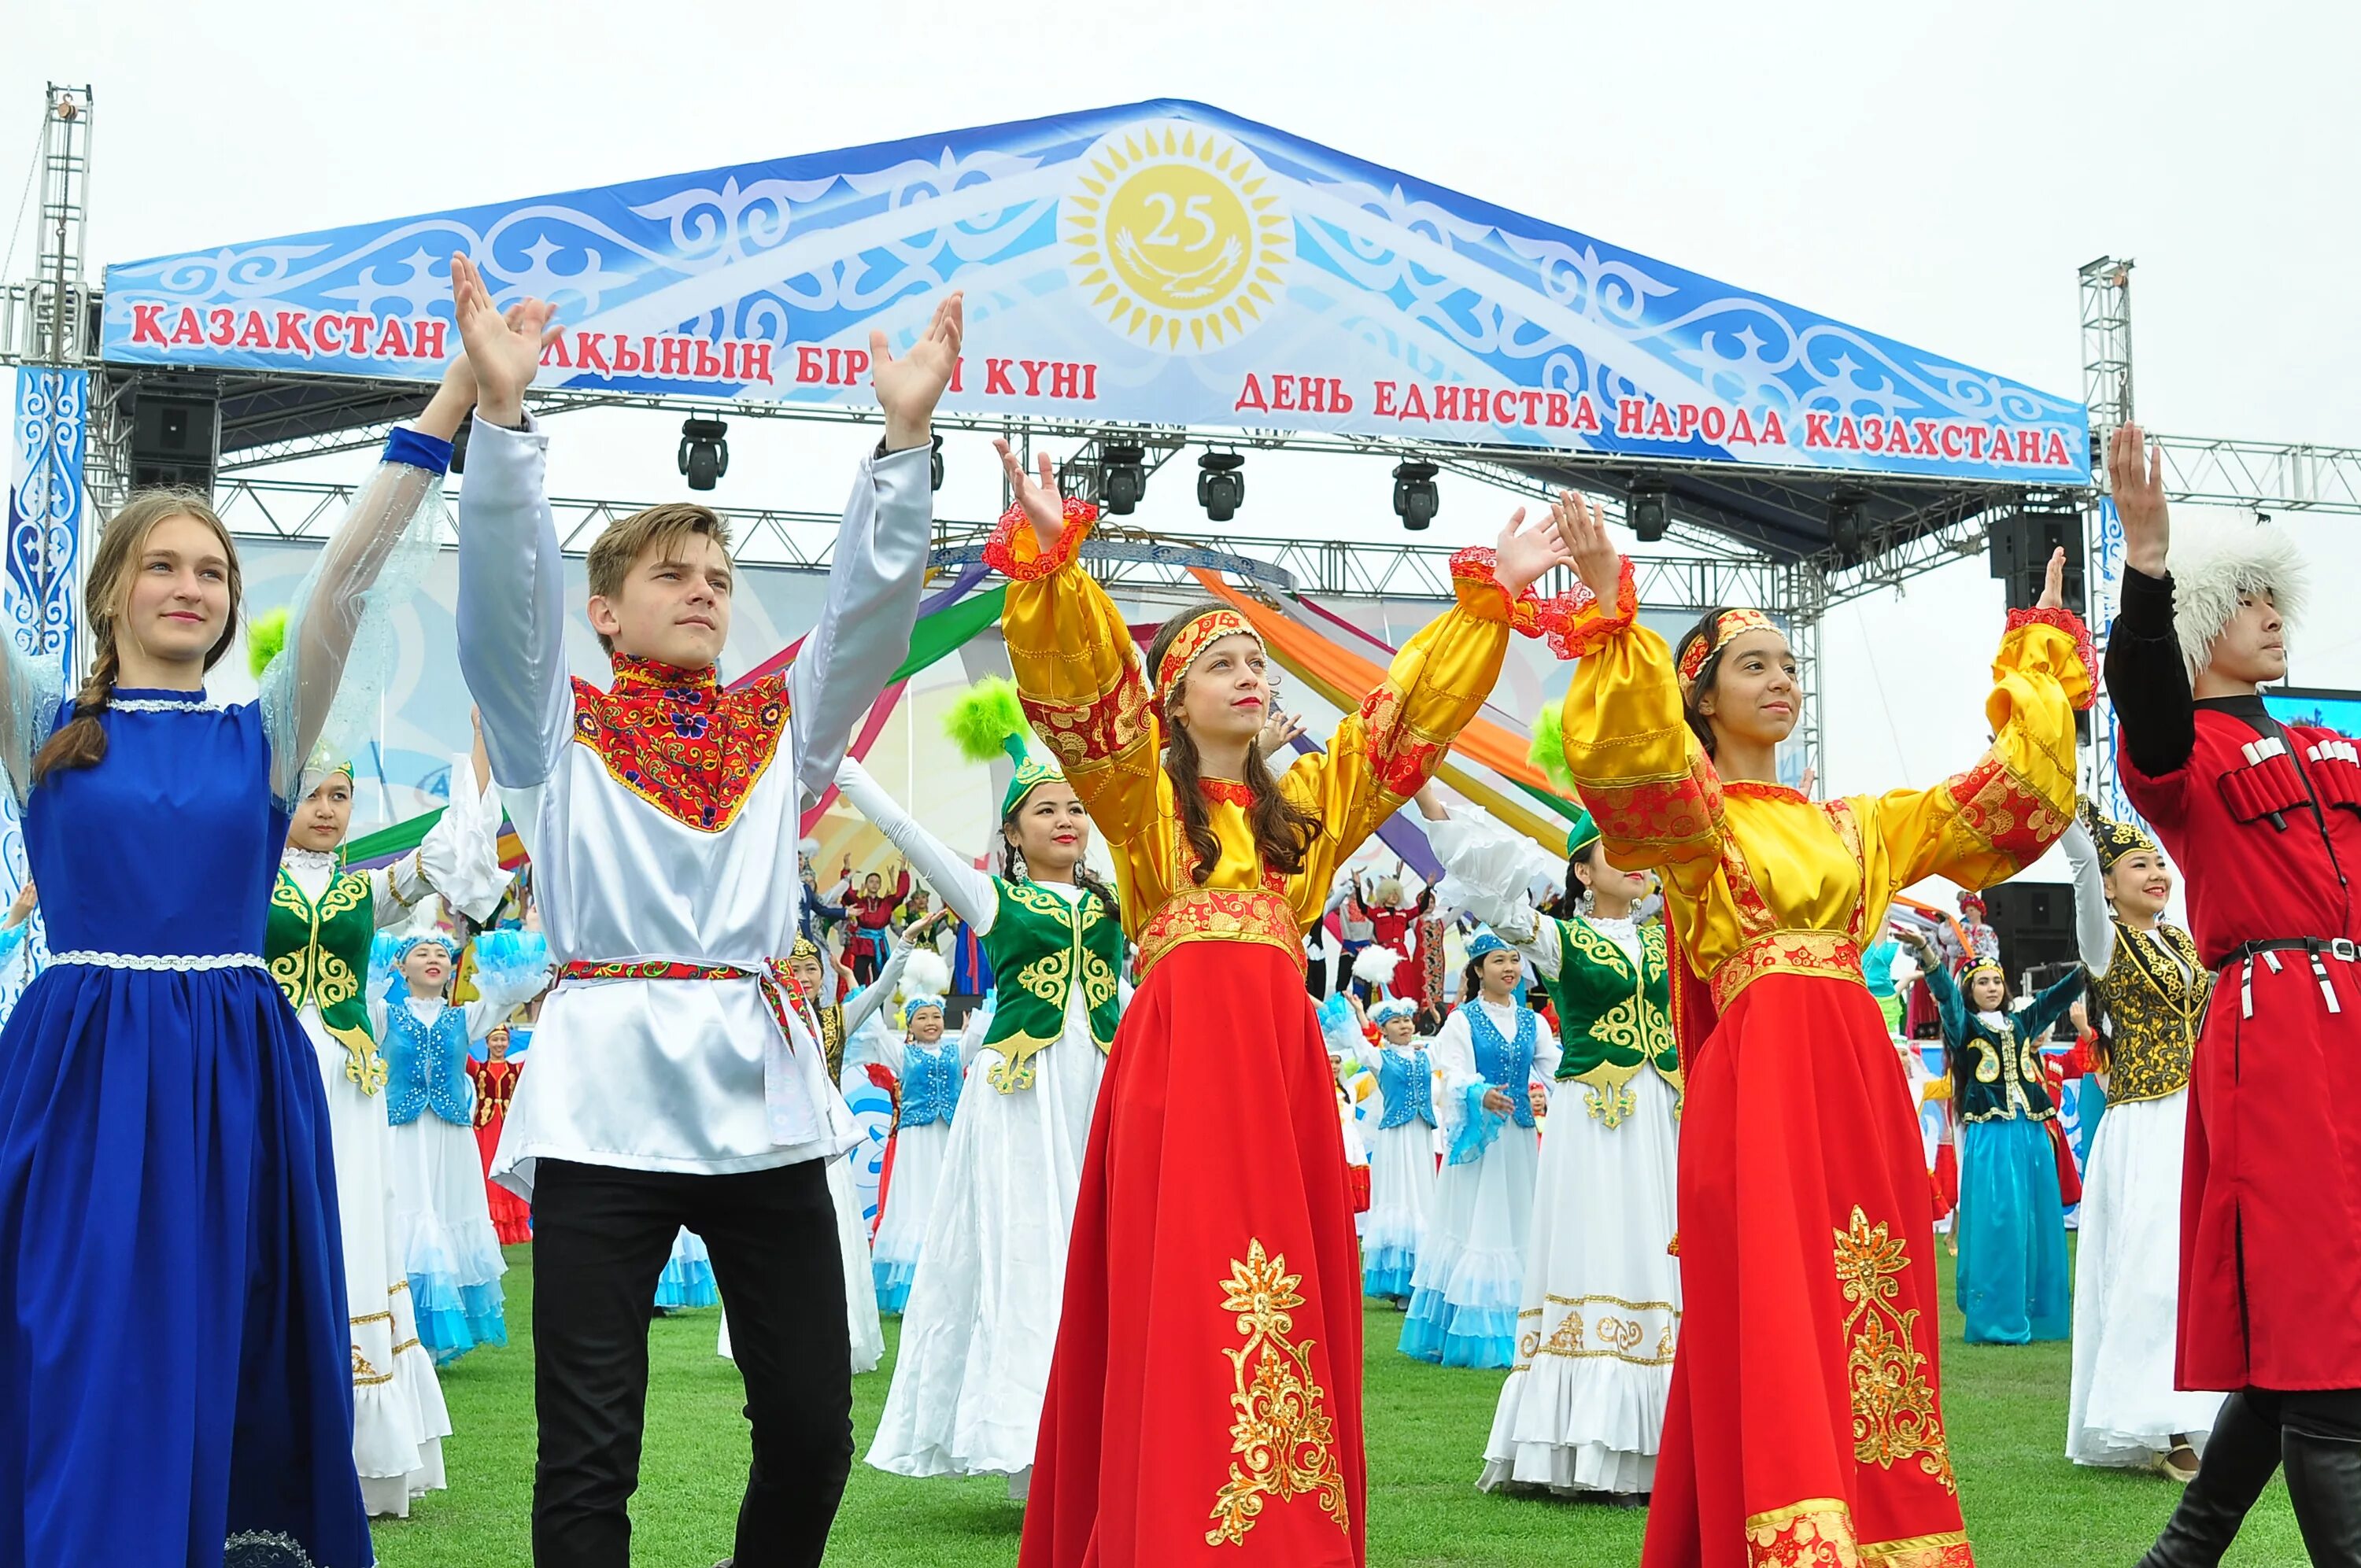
[(1161, 262)]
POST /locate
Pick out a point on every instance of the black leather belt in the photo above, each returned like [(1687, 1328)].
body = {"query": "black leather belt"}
[(2317, 948)]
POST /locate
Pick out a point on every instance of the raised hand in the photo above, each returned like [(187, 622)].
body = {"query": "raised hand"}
[(447, 410), (1581, 524), (1043, 507), (1523, 554), (2135, 477), (2053, 583), (909, 388), (503, 350), (1279, 730)]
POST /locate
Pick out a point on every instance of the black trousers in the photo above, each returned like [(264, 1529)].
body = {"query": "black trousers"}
[(600, 1237)]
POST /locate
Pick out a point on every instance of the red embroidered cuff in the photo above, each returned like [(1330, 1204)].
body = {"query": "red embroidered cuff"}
[(1574, 623), (1015, 550), (1475, 577), (2067, 621)]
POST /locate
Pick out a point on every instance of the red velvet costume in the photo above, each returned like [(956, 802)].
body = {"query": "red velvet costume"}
[(2271, 1247), (495, 1084)]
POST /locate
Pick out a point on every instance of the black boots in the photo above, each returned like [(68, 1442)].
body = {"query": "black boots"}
[(2323, 1477), (2239, 1458)]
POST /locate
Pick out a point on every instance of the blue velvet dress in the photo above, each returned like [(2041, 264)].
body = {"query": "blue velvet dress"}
[(174, 1377)]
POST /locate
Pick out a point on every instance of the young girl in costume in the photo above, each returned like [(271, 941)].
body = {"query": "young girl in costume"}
[(1495, 1055), (442, 1222), (1805, 1419), (170, 1253), (2152, 987), (928, 1065), (1583, 1411), (687, 1280), (1207, 1381), (974, 1356), (2012, 1229), (495, 1078), (323, 920), (1401, 1151), (871, 912)]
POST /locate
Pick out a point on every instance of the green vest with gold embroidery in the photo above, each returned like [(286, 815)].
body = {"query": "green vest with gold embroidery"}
[(1614, 1016), (1041, 945), (319, 954)]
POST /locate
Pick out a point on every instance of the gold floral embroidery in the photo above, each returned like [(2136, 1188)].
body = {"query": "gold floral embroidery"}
[(1610, 1110), (1282, 1431), (1893, 1413), (1829, 954), (1608, 1337), (1215, 915), (1814, 1534), (365, 1376)]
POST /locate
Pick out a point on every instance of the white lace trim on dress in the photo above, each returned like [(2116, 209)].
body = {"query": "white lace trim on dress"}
[(166, 961)]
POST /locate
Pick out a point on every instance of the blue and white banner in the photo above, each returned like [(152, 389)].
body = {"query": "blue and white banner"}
[(1161, 262), (46, 442)]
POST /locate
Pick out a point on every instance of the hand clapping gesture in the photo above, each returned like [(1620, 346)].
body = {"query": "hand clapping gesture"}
[(1581, 525), (1523, 554), (1044, 508), (909, 388), (503, 347)]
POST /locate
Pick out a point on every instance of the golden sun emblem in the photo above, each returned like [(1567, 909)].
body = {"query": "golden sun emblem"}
[(1176, 235)]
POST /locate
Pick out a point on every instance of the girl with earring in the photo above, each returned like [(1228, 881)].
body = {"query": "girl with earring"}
[(1805, 1417)]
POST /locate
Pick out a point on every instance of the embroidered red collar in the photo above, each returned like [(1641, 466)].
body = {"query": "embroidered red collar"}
[(678, 741)]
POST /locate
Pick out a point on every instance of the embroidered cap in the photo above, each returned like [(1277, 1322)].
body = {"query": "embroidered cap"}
[(913, 1006), (1394, 1007), (1484, 944), (1200, 633), (1581, 836), (1728, 627), (2114, 840)]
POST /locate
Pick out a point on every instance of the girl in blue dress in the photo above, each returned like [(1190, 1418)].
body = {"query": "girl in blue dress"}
[(174, 1389)]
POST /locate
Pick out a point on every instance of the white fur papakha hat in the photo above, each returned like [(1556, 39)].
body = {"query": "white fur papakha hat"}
[(2213, 561)]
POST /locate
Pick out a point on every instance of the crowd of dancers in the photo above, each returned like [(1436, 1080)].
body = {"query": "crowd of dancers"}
[(1658, 1149)]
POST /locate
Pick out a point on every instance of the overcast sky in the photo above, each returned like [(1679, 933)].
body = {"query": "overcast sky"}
[(1935, 172)]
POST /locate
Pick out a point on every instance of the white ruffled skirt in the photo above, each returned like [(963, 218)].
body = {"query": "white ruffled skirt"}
[(918, 1157), (1583, 1409), (2122, 1408), (973, 1365), (442, 1230), (1401, 1192), (1471, 1265)]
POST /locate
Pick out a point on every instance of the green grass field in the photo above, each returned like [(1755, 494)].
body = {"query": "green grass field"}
[(2026, 1507)]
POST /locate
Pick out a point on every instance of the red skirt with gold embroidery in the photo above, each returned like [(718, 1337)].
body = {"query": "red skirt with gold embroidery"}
[(1205, 1401), (1805, 1422)]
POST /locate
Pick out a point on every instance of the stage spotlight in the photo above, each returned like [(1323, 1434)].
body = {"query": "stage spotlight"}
[(1847, 533), (1123, 476), (935, 466), (1650, 510), (704, 451), (1221, 485), (1415, 500)]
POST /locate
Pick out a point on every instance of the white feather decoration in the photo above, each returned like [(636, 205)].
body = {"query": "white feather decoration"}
[(2213, 561), (926, 974), (1376, 966)]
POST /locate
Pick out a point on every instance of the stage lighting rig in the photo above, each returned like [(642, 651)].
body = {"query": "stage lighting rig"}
[(1415, 498), (1123, 476), (1650, 510), (704, 451), (1221, 485)]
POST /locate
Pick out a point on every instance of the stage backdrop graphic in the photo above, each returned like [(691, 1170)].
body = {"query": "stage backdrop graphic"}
[(1162, 261)]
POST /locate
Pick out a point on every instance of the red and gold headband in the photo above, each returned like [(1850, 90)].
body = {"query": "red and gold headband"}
[(1193, 638), (1733, 624)]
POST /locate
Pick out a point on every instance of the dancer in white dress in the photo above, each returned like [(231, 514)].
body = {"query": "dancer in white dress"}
[(1583, 1411), (1402, 1148), (1496, 1056), (2123, 1409), (321, 924), (929, 1068), (442, 1214), (975, 1358)]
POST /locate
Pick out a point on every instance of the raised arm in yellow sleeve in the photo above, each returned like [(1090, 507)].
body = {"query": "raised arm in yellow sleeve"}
[(1384, 752), (1077, 674), (1989, 823), (1647, 783)]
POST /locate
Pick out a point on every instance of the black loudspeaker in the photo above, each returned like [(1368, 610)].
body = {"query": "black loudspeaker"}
[(2019, 546), (2036, 922), (175, 440)]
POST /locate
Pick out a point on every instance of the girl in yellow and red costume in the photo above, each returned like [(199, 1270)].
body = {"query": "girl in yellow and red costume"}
[(1205, 1396), (1806, 1422)]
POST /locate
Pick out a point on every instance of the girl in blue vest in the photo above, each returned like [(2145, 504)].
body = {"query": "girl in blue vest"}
[(442, 1217), (1402, 1148), (1496, 1056), (983, 1310), (925, 1061)]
